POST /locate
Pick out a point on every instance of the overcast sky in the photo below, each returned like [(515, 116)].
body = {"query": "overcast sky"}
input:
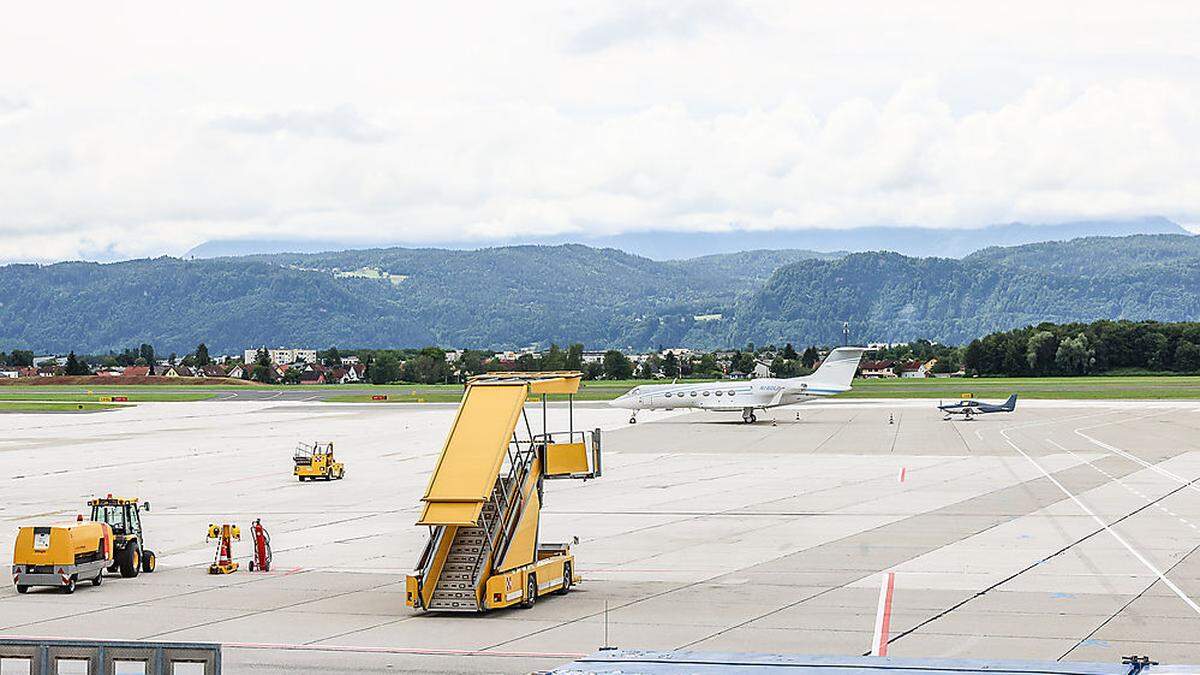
[(141, 129)]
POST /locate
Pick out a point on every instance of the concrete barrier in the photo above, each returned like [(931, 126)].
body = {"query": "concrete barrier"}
[(51, 656)]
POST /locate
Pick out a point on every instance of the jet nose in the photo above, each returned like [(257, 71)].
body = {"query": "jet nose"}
[(621, 402)]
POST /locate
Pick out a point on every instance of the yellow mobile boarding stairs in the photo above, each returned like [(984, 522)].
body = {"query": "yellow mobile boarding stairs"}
[(485, 497)]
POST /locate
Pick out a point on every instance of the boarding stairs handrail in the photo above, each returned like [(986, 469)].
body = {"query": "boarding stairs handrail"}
[(509, 502)]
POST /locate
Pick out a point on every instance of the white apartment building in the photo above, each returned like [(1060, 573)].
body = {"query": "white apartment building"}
[(282, 357)]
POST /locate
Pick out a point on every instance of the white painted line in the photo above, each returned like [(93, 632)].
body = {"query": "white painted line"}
[(1116, 480), (883, 615), (1142, 559), (1134, 458)]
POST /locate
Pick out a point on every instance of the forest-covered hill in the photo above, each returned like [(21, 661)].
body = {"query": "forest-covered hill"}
[(888, 297), (521, 295)]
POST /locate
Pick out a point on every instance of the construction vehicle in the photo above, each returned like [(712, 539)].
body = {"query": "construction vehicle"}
[(262, 547), (226, 534), (62, 555), (316, 461), (130, 556), (484, 499)]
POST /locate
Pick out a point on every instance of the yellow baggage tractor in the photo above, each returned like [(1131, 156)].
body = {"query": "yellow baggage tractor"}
[(316, 461), (62, 555)]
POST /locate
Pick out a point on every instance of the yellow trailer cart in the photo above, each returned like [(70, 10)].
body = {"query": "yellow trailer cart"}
[(484, 499), (62, 555)]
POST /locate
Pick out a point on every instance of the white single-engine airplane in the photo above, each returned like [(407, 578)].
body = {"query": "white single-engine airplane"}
[(833, 377)]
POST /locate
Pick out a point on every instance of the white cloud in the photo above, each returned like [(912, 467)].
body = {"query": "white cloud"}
[(149, 132)]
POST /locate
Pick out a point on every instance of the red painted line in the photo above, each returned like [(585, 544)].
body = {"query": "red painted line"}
[(903, 469), (884, 620)]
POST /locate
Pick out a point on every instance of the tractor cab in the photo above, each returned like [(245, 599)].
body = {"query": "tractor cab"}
[(123, 515)]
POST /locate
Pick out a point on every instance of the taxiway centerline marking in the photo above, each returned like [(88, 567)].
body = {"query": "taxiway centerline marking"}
[(1134, 458), (1121, 540), (1118, 481)]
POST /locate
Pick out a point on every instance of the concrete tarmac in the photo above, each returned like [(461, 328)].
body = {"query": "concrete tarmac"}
[(1067, 530)]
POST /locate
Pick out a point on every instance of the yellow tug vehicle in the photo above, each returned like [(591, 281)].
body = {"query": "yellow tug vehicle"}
[(316, 461), (484, 499), (62, 555)]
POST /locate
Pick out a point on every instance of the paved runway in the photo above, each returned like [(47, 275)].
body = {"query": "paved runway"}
[(1067, 530)]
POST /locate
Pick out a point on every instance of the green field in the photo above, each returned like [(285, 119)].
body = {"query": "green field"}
[(140, 395), (53, 406), (452, 393), (1092, 387), (1099, 387)]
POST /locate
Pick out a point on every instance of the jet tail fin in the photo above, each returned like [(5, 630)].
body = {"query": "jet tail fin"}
[(1011, 403), (837, 370)]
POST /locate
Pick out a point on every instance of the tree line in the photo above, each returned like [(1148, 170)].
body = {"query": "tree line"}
[(1083, 348)]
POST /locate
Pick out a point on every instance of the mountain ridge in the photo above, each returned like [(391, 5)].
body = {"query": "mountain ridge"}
[(670, 245), (516, 296)]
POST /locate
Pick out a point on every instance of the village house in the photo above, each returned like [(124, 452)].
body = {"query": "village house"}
[(211, 370), (177, 371), (762, 368), (312, 377), (877, 369)]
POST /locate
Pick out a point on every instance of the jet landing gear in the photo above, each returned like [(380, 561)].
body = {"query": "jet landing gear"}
[(633, 417), (748, 416)]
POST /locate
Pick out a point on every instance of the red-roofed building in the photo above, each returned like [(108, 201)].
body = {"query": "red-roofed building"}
[(877, 369)]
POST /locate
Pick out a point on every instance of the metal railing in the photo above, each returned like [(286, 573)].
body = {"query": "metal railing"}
[(47, 656), (588, 438)]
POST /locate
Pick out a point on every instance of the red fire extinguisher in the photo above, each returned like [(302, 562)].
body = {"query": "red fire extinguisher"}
[(262, 548)]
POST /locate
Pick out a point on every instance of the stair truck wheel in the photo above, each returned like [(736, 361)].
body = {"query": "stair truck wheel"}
[(99, 579), (566, 586), (22, 588), (70, 587), (530, 591), (149, 561)]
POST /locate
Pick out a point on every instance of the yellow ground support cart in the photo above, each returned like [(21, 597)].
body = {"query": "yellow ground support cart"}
[(484, 498), (316, 461), (62, 555)]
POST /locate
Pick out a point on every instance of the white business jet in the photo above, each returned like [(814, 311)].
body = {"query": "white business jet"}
[(832, 377)]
